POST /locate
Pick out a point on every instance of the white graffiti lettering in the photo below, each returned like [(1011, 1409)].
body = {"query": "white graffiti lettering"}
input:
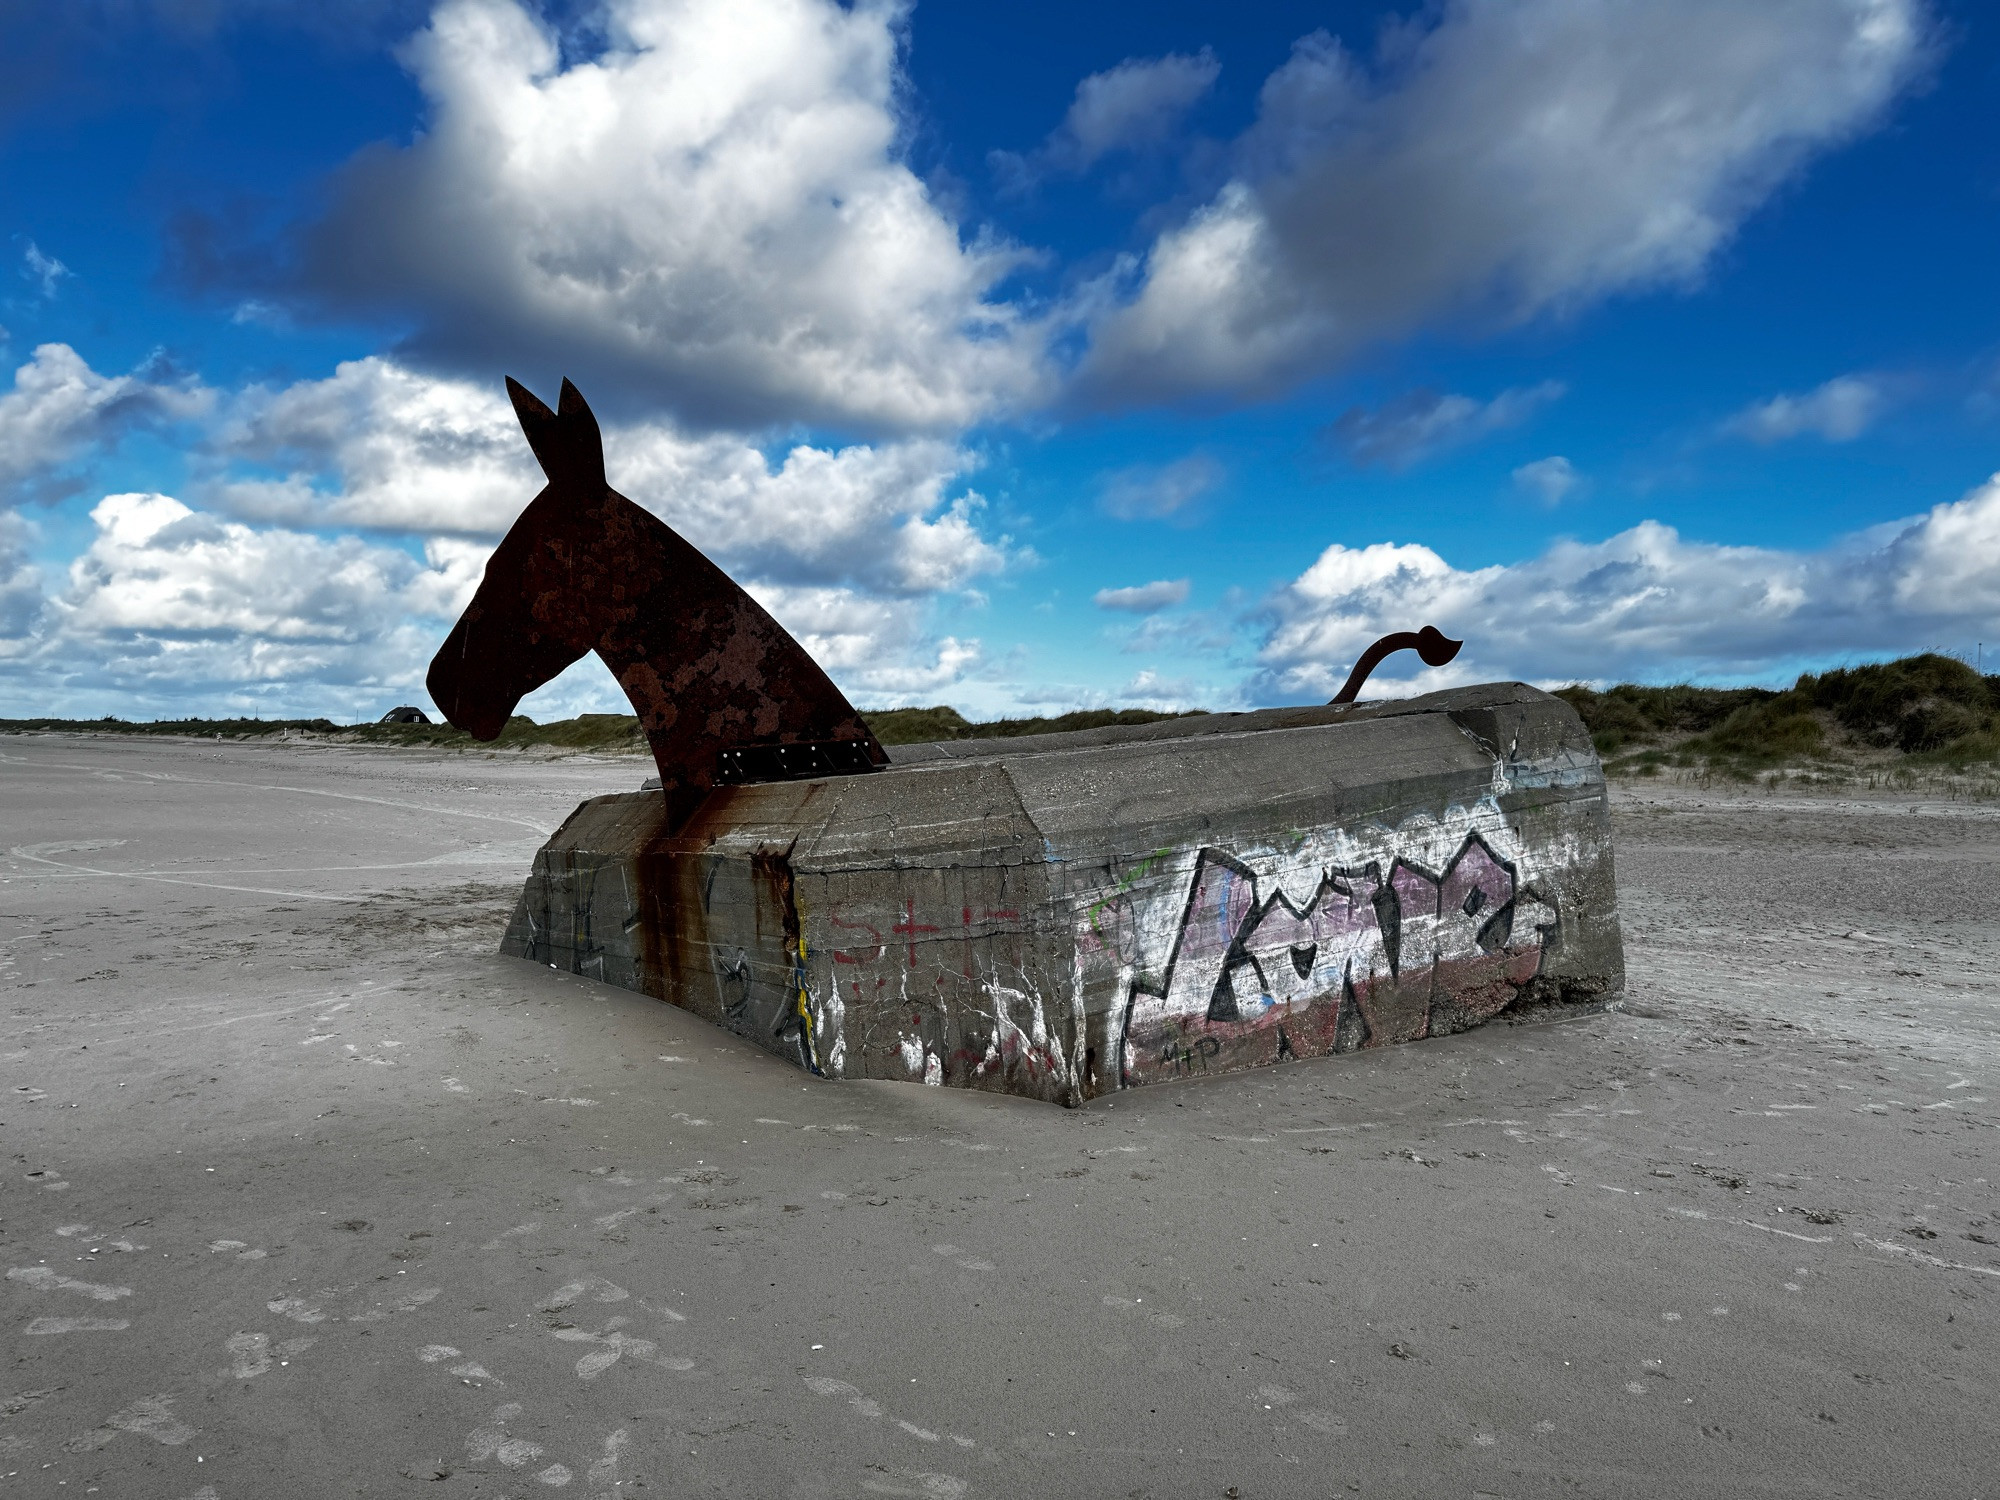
[(1367, 957)]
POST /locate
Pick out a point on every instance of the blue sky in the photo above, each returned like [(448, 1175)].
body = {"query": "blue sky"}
[(1021, 358)]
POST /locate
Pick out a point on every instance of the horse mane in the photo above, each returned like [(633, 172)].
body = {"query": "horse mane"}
[(723, 692)]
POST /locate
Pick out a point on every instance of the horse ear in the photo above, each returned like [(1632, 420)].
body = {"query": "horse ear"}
[(585, 439), (566, 442), (537, 421)]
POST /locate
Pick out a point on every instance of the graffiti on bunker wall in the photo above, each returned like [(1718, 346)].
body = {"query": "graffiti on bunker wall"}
[(940, 993), (1288, 956), (1196, 959)]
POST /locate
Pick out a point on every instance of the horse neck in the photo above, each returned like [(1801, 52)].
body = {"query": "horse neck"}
[(632, 551), (635, 673)]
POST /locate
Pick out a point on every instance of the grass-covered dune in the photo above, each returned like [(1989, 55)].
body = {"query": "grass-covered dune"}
[(607, 733), (1921, 711), (1925, 712)]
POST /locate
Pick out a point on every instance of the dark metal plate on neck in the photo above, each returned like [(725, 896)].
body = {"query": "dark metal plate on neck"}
[(746, 764)]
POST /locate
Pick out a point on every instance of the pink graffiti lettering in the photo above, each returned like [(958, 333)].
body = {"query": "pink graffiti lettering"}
[(1367, 959)]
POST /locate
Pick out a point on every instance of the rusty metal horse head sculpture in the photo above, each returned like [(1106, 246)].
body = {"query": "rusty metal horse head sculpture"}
[(723, 693)]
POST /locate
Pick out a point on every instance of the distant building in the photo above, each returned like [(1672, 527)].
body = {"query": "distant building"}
[(406, 715)]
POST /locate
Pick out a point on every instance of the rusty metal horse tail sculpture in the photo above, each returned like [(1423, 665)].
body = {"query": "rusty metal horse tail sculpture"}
[(723, 693), (1432, 645)]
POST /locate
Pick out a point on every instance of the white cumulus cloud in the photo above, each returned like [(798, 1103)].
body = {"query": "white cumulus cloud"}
[(1132, 106), (45, 271), (1160, 492), (60, 408), (1144, 598), (381, 446), (20, 584), (849, 547), (1512, 158), (169, 605), (1424, 422), (710, 210), (156, 566), (1549, 480), (1839, 411), (878, 649), (877, 516), (1646, 605)]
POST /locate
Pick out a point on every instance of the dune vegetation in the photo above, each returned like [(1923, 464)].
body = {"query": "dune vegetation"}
[(601, 733), (1920, 715)]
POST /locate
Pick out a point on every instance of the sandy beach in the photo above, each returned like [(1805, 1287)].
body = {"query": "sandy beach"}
[(308, 1192)]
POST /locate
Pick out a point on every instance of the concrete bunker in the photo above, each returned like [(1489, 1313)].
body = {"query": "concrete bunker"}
[(1071, 915)]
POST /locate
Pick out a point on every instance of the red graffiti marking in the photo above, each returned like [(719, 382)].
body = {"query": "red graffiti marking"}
[(848, 956), (988, 914), (911, 926)]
